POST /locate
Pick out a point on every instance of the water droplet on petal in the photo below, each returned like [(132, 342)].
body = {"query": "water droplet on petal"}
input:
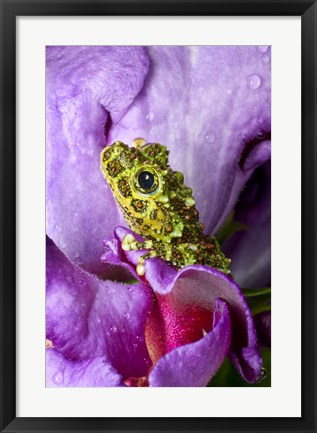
[(210, 138), (254, 82), (262, 48), (150, 116), (113, 329), (62, 244), (266, 58), (260, 135), (127, 315), (58, 378), (263, 375)]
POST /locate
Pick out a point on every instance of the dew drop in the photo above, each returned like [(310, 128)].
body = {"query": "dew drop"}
[(266, 58), (113, 329), (263, 375), (82, 282), (127, 315), (62, 244), (150, 116), (210, 138), (58, 378), (262, 48), (260, 135), (254, 82)]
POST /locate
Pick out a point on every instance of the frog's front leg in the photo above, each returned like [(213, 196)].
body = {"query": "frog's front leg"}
[(129, 243)]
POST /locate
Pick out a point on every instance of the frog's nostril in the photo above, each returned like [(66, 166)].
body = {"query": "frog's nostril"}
[(111, 152), (106, 155)]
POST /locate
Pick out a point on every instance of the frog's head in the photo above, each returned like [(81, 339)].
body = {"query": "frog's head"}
[(149, 193)]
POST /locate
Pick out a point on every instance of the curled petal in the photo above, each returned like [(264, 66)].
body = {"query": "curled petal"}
[(202, 285), (95, 372), (87, 317), (194, 364), (199, 285)]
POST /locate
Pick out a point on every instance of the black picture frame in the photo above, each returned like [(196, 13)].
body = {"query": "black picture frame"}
[(10, 9)]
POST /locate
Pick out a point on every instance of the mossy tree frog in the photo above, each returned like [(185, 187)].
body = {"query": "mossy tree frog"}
[(159, 206)]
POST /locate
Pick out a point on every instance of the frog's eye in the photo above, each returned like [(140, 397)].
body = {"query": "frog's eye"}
[(146, 181)]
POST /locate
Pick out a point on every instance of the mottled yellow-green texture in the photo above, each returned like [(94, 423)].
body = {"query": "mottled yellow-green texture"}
[(159, 206)]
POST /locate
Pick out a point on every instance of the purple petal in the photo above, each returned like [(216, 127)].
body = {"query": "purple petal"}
[(211, 106), (115, 255), (194, 364), (62, 372), (250, 250), (201, 285), (87, 89), (131, 256), (87, 317)]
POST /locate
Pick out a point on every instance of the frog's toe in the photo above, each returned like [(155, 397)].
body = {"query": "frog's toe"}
[(127, 242), (140, 269)]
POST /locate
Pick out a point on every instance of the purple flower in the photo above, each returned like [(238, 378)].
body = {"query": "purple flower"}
[(161, 325), (211, 107)]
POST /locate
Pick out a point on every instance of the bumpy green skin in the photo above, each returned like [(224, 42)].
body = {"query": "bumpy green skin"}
[(166, 217)]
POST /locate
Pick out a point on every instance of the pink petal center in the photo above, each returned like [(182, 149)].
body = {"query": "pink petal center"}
[(168, 326)]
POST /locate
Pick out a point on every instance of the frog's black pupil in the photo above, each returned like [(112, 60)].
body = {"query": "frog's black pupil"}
[(146, 180)]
